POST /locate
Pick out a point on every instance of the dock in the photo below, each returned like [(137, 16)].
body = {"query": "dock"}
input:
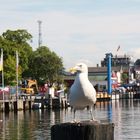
[(31, 102), (129, 94), (12, 103)]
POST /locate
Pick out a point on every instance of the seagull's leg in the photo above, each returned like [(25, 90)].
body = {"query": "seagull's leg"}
[(74, 115), (91, 113), (74, 120), (94, 106)]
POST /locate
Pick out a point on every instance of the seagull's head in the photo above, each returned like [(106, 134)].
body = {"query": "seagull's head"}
[(79, 68)]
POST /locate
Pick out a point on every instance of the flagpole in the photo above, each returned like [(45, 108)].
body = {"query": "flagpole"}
[(2, 76), (17, 74), (1, 69)]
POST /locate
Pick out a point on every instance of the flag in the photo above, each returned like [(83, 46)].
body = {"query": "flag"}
[(118, 48), (1, 60), (17, 60)]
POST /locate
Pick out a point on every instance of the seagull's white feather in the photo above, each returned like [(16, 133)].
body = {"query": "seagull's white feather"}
[(82, 92)]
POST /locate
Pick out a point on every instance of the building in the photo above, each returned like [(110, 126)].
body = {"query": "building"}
[(119, 61), (125, 64), (137, 69), (122, 72), (98, 77)]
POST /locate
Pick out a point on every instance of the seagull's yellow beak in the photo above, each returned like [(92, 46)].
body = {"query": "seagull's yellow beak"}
[(72, 70)]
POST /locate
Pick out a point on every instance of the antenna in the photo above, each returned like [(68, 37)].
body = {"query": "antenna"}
[(39, 33)]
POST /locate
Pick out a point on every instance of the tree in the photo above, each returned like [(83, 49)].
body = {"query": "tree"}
[(124, 78), (17, 40), (12, 41), (18, 36), (45, 65), (41, 64), (10, 70)]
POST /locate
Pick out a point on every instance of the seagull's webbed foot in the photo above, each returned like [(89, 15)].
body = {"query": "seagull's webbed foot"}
[(92, 117), (74, 118)]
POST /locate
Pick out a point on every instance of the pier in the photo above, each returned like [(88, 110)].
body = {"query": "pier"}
[(31, 102), (28, 102)]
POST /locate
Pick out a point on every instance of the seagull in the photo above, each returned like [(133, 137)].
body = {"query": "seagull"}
[(82, 93)]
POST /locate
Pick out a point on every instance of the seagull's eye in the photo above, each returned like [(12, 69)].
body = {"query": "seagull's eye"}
[(80, 65)]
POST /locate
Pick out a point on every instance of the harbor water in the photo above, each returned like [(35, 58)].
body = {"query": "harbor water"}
[(36, 124)]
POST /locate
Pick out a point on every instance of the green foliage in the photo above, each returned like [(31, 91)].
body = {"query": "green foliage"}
[(124, 78), (46, 65), (10, 70), (12, 41), (17, 37), (17, 40), (42, 64)]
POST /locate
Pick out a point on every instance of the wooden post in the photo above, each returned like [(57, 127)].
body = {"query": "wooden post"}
[(42, 103), (50, 102), (15, 106), (24, 105), (7, 109), (30, 104), (86, 130)]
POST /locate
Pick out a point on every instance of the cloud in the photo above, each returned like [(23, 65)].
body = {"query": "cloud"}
[(83, 34), (73, 32)]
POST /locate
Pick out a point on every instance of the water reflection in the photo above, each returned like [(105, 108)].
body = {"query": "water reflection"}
[(35, 125)]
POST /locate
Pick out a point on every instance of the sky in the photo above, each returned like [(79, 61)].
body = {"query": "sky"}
[(77, 30)]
